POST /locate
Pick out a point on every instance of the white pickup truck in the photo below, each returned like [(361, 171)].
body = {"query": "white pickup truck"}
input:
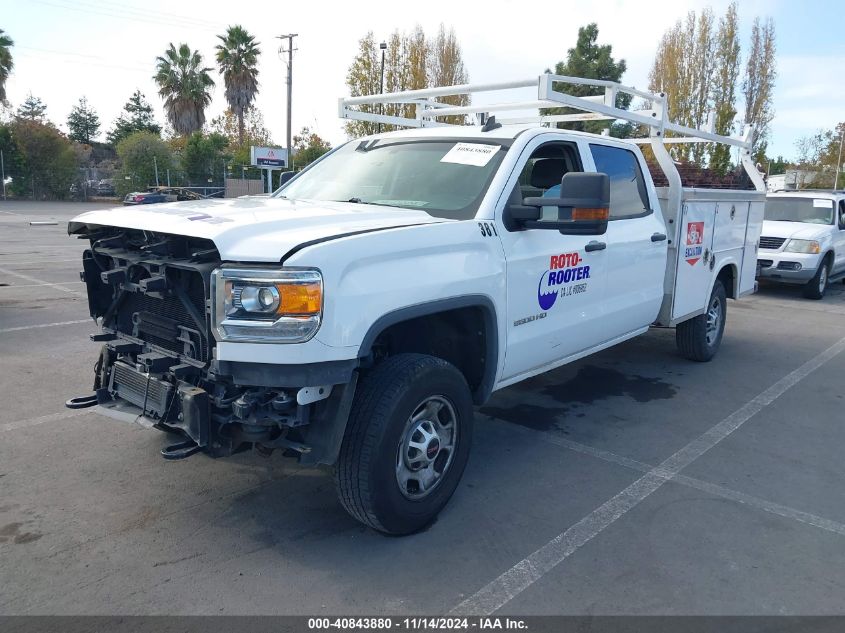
[(356, 316), (803, 239)]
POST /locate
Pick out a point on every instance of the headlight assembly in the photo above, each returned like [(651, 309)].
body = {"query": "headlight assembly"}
[(265, 305), (802, 246)]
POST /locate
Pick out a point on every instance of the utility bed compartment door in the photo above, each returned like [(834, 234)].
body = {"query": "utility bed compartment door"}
[(695, 245)]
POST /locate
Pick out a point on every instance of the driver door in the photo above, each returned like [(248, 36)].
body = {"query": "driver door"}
[(555, 282)]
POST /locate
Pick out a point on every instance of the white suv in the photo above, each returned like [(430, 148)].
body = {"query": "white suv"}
[(803, 239)]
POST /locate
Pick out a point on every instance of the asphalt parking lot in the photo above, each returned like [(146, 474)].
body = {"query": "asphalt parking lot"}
[(631, 482)]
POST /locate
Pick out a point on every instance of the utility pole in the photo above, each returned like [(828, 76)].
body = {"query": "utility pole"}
[(289, 37), (3, 172), (155, 164), (839, 161)]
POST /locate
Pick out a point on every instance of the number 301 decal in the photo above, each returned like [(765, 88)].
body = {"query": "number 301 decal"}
[(488, 229)]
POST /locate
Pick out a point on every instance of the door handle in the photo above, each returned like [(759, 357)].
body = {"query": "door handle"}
[(658, 237), (595, 246)]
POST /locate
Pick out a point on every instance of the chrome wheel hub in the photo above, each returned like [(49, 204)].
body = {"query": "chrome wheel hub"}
[(426, 447), (714, 321), (823, 279)]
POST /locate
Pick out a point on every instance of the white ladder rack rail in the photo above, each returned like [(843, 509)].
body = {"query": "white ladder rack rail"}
[(592, 108)]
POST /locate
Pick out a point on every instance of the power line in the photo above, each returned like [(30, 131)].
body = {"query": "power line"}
[(98, 60), (147, 17)]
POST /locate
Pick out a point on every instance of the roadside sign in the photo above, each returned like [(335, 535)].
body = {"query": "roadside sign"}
[(268, 156)]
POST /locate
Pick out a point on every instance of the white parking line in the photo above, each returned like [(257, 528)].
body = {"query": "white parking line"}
[(40, 325), (529, 570), (46, 260), (52, 417), (691, 482), (58, 283), (6, 271)]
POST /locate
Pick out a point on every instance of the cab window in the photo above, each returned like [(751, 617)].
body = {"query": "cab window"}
[(628, 193), (542, 173)]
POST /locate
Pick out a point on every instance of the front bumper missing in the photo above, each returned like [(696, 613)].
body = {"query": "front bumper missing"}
[(218, 412)]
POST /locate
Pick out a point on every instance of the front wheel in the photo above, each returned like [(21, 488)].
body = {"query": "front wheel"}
[(406, 443), (699, 338), (816, 287)]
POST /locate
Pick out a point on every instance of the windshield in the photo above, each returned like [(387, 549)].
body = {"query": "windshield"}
[(444, 178), (809, 210)]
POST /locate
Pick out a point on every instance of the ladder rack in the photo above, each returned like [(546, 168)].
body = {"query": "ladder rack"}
[(600, 107)]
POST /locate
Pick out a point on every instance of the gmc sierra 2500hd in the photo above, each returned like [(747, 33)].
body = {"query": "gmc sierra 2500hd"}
[(356, 316)]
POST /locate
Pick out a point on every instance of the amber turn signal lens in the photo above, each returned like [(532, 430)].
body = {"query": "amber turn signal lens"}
[(590, 214), (300, 298)]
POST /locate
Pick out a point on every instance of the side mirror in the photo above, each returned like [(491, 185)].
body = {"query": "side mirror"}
[(285, 177), (583, 206)]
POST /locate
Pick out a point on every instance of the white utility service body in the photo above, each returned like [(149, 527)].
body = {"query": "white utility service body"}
[(397, 295)]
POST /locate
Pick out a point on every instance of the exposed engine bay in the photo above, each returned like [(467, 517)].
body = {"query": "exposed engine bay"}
[(150, 293)]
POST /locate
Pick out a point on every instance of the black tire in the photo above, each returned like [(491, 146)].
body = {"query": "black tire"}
[(366, 470), (693, 338), (816, 287)]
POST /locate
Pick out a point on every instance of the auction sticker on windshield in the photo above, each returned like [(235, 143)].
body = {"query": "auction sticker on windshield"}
[(470, 154), (822, 203)]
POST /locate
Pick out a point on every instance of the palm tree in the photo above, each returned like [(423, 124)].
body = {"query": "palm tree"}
[(6, 63), (185, 86), (237, 59)]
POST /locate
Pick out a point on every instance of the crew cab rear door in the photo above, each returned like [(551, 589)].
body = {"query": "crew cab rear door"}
[(636, 241), (555, 282)]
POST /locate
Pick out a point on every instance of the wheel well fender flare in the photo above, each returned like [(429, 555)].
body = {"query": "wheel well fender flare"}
[(428, 308), (733, 291)]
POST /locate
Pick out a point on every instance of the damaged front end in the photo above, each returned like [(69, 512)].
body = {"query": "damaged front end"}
[(151, 294)]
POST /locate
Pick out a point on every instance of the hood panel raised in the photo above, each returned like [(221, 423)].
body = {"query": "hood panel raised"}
[(255, 229)]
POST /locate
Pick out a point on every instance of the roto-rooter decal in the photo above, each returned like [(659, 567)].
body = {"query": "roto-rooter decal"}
[(695, 239), (558, 280)]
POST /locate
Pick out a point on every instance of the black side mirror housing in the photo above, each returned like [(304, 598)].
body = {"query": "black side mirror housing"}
[(285, 177), (585, 195)]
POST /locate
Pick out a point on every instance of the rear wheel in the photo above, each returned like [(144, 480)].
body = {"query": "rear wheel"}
[(406, 443), (817, 286), (699, 338)]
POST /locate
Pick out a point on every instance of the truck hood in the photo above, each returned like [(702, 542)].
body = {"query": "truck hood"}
[(798, 230), (255, 229)]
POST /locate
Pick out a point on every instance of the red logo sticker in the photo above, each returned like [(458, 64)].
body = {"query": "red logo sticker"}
[(695, 239)]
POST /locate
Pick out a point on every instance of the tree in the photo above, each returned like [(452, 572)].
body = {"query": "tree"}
[(758, 84), (411, 62), (47, 159), (446, 68), (724, 86), (140, 153), (588, 59), (237, 59), (32, 109), (83, 123), (6, 62), (308, 147), (185, 85), (363, 78), (254, 131), (137, 116), (683, 70), (205, 156), (818, 158)]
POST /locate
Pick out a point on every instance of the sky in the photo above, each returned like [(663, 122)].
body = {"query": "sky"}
[(105, 49)]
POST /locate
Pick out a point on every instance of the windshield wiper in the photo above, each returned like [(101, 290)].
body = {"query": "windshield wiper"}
[(355, 200)]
